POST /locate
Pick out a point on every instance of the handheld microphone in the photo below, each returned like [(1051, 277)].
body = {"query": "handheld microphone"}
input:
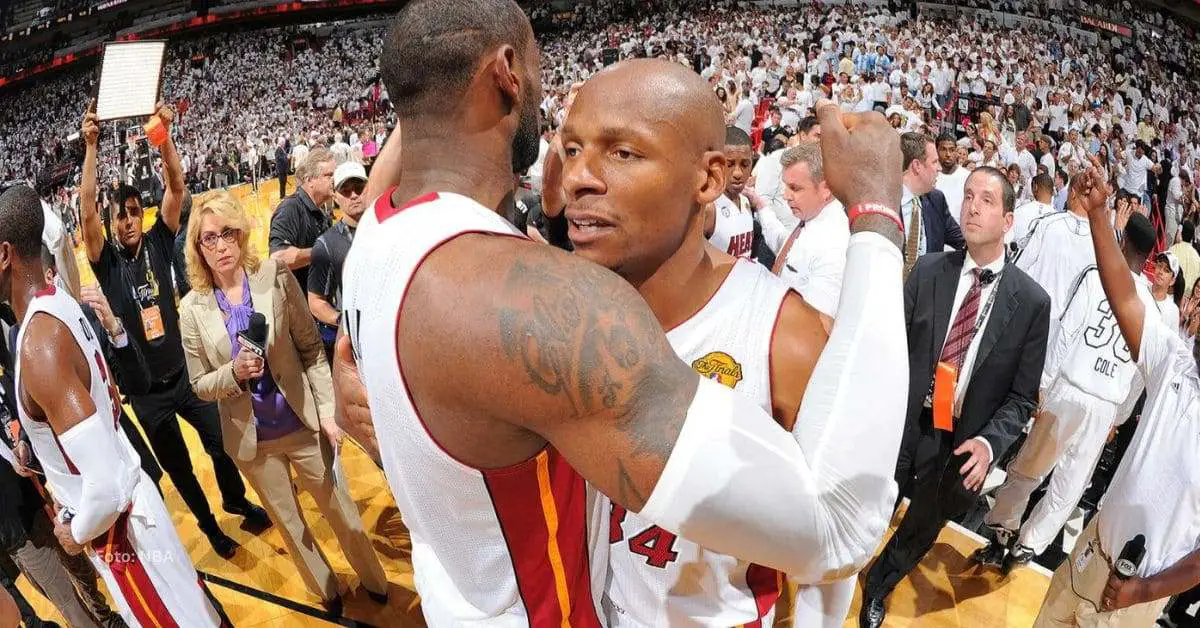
[(1131, 557), (254, 337), (987, 277)]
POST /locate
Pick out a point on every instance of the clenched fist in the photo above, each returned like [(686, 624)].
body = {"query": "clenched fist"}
[(862, 157)]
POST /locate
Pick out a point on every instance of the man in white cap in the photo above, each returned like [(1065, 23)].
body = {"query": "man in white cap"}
[(331, 248)]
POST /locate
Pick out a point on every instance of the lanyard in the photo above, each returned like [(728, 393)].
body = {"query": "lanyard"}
[(142, 262), (987, 307)]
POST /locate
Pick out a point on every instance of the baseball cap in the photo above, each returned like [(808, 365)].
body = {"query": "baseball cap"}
[(1171, 261), (347, 171)]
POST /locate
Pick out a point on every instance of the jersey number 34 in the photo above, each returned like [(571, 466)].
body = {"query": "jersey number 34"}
[(655, 543)]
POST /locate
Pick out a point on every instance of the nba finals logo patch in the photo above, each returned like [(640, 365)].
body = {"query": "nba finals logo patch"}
[(719, 366)]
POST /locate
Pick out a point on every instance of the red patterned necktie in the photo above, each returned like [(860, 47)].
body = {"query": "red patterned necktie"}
[(963, 330)]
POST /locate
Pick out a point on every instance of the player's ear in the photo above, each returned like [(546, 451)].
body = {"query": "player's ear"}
[(711, 178), (505, 74)]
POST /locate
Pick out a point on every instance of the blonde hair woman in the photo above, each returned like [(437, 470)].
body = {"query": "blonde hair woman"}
[(273, 410)]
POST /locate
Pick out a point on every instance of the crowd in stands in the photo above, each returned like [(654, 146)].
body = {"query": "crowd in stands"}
[(236, 93), (242, 95)]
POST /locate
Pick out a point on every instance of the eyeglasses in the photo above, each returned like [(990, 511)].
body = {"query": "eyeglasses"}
[(355, 186), (208, 239)]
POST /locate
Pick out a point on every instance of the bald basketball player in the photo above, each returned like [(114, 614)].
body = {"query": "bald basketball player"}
[(732, 321), (503, 374)]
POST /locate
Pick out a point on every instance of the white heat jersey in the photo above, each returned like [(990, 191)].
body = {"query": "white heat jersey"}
[(734, 231), (657, 578), (495, 547), (62, 477), (1057, 249), (1088, 349), (140, 558)]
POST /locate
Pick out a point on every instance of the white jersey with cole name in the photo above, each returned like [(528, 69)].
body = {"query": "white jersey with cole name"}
[(490, 547), (1088, 350), (657, 578), (734, 231)]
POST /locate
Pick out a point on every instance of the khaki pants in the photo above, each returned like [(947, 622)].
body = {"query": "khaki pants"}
[(311, 456), (1075, 592)]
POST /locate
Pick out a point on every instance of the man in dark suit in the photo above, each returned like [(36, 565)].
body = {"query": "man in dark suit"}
[(932, 228), (776, 129), (941, 229), (988, 321)]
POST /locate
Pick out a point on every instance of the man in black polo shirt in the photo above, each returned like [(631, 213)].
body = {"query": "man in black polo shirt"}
[(330, 250), (300, 218), (138, 277)]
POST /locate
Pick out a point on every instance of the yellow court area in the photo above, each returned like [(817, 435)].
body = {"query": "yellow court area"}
[(258, 587)]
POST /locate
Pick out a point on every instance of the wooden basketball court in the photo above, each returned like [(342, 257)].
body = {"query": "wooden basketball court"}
[(258, 587)]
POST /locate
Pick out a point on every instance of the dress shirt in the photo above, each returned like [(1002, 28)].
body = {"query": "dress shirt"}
[(768, 182), (965, 279), (907, 204), (817, 259)]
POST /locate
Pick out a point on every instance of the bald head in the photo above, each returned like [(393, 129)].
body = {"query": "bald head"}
[(656, 91)]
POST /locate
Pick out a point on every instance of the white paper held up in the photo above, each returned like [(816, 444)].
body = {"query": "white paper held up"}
[(129, 79)]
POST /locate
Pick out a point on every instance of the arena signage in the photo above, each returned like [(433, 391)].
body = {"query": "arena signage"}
[(1108, 25)]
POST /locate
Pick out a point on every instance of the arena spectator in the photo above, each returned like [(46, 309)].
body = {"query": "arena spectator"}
[(330, 250), (301, 218)]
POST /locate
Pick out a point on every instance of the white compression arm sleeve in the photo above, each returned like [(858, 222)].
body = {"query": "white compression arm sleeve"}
[(775, 234), (738, 484), (93, 447)]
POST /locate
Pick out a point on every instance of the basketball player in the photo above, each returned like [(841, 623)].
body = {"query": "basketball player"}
[(1153, 496), (1057, 248), (729, 222), (504, 373), (731, 319), (68, 407), (1088, 385)]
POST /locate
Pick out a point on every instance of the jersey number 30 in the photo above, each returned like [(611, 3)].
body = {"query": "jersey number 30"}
[(1105, 333), (655, 543)]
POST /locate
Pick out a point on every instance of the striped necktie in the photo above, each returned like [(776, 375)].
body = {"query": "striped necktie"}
[(964, 328)]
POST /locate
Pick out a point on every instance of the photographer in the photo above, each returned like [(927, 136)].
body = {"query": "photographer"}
[(137, 276)]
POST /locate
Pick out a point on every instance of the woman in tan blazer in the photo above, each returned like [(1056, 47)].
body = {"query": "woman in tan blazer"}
[(278, 412)]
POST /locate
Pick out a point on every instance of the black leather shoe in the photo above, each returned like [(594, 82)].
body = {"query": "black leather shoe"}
[(224, 546), (379, 598), (255, 516), (872, 613), (990, 555), (334, 606), (1019, 556)]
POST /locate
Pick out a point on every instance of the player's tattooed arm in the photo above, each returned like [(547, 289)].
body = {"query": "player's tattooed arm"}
[(601, 351), (559, 347)]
